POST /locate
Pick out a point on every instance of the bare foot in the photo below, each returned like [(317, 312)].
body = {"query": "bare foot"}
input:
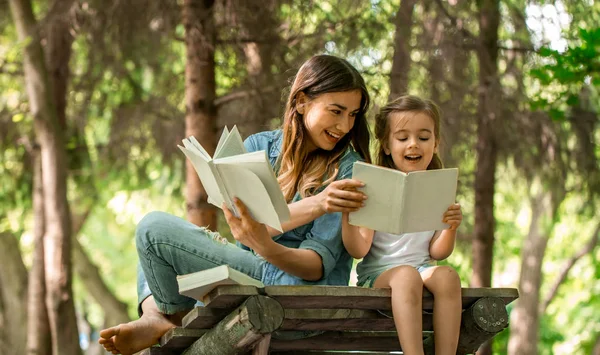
[(129, 338)]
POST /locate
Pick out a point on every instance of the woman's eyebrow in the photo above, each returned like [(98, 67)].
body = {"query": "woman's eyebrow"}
[(341, 107)]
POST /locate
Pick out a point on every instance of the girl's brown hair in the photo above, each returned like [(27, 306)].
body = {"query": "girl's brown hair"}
[(405, 104), (304, 172)]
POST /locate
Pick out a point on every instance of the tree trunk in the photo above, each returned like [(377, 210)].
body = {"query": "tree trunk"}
[(596, 350), (487, 154), (13, 296), (3, 334), (456, 122), (261, 26), (115, 310), (200, 115), (524, 323), (57, 241), (401, 61), (433, 37), (38, 326)]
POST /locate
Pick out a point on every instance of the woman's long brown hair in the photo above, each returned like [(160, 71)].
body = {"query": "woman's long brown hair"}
[(304, 172)]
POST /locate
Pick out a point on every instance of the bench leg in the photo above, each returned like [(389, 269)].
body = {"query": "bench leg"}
[(262, 347), (480, 323)]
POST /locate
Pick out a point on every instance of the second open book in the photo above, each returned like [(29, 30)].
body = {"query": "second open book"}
[(233, 172), (404, 202)]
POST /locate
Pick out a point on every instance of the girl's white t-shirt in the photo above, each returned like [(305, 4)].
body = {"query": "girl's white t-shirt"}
[(390, 250)]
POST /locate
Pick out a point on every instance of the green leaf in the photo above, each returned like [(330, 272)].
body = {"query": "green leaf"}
[(556, 114), (572, 100)]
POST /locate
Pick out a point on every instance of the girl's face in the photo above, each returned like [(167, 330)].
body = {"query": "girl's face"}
[(328, 117), (411, 141)]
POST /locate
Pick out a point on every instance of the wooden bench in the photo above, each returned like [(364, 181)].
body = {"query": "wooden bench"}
[(317, 319)]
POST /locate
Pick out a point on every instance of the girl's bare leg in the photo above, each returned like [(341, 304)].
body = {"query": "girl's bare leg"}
[(444, 283), (129, 338), (407, 303)]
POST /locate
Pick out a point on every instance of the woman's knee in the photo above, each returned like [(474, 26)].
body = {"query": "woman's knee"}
[(150, 227)]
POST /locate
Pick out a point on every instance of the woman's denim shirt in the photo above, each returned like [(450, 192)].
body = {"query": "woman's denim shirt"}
[(323, 235)]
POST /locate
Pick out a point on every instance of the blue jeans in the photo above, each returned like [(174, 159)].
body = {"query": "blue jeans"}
[(169, 246)]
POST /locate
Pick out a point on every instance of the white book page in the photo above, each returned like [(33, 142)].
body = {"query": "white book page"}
[(429, 193), (206, 176), (224, 135), (199, 284), (245, 185), (232, 145), (383, 188), (203, 277), (258, 163), (255, 157)]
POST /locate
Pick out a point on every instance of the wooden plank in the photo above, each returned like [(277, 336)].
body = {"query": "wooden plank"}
[(333, 352), (180, 338), (229, 296), (364, 298), (174, 341), (157, 350), (262, 347), (369, 341), (342, 320), (321, 297), (309, 319), (204, 318)]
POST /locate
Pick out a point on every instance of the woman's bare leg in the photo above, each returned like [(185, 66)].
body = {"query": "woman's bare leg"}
[(444, 283), (407, 303)]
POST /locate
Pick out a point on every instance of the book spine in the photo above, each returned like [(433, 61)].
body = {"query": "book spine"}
[(222, 188), (403, 201)]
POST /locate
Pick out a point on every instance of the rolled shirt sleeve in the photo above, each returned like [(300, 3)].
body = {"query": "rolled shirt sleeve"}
[(325, 237)]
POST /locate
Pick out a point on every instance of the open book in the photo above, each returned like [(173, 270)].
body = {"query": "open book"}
[(198, 284), (404, 202), (233, 172)]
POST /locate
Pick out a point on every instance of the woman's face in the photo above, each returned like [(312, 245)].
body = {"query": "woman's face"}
[(328, 117)]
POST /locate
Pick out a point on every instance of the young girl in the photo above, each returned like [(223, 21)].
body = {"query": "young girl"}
[(408, 132), (324, 132)]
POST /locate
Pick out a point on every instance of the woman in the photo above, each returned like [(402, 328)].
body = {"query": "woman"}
[(324, 132)]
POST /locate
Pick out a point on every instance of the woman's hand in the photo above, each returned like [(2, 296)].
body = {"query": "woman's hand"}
[(245, 229), (453, 216), (342, 196)]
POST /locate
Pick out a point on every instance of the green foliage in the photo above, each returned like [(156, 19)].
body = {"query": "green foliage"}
[(570, 71)]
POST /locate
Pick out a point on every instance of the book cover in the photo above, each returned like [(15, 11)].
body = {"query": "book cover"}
[(404, 202), (198, 284), (233, 172)]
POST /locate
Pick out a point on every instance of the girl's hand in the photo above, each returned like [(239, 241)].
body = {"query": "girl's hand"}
[(453, 216), (342, 196), (245, 229)]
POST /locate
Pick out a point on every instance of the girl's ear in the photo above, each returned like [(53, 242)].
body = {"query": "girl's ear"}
[(386, 148), (301, 101), (435, 148)]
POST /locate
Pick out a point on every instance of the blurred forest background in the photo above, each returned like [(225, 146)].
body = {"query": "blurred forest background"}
[(96, 95)]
